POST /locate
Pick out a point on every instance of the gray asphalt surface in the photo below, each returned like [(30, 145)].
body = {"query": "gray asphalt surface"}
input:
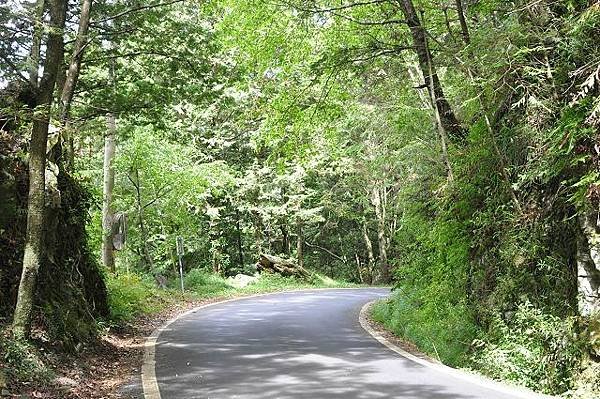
[(293, 345)]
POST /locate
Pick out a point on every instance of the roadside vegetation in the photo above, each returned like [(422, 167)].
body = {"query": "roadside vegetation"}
[(448, 148), (132, 295)]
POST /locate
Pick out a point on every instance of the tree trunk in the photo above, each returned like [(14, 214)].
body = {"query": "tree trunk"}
[(215, 245), (68, 89), (147, 259), (359, 269), (588, 264), (464, 28), (415, 76), (300, 242), (447, 22), (36, 43), (286, 247), (75, 61), (216, 264), (370, 255), (33, 254), (258, 240), (438, 120), (240, 246), (286, 268), (432, 81), (378, 199), (108, 259)]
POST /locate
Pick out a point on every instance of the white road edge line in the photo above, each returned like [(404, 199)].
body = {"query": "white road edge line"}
[(149, 381), (463, 375)]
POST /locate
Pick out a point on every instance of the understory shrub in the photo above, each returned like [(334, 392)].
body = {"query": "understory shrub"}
[(532, 348), (204, 283), (441, 330), (20, 360), (130, 295)]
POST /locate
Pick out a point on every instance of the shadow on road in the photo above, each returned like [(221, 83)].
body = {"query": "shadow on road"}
[(289, 346)]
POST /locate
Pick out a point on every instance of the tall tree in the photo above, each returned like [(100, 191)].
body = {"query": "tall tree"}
[(448, 120), (68, 89), (36, 42), (34, 244), (464, 28), (108, 258)]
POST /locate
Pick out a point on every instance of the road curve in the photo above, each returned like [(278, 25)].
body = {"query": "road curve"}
[(305, 344)]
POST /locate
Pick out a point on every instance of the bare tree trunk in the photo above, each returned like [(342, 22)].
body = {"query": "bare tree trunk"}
[(464, 28), (215, 245), (258, 240), (432, 81), (438, 120), (36, 43), (68, 89), (108, 259), (300, 242), (34, 246), (143, 231), (240, 246), (447, 22), (415, 76), (75, 61), (370, 255), (378, 200), (359, 269), (216, 264)]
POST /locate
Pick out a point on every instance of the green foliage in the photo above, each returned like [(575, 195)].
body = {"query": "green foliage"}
[(204, 283), (248, 127), (132, 295), (441, 329), (532, 348), (21, 361)]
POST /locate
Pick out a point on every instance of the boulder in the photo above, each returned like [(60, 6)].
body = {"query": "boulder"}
[(241, 280)]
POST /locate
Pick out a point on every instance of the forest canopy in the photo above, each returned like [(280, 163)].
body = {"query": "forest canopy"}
[(447, 148)]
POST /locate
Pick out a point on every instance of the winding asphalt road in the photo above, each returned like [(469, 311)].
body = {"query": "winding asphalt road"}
[(306, 344)]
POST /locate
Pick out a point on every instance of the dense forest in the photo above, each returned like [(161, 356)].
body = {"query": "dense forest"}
[(450, 148)]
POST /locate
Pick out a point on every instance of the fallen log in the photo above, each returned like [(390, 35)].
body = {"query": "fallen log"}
[(284, 267)]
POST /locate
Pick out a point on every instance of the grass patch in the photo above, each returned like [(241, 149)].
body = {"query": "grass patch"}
[(442, 331), (203, 284), (274, 282), (132, 295)]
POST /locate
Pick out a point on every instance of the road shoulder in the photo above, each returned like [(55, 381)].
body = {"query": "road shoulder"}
[(410, 351)]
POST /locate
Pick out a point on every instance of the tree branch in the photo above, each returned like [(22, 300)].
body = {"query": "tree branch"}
[(135, 9), (16, 71), (338, 8), (370, 23), (325, 250)]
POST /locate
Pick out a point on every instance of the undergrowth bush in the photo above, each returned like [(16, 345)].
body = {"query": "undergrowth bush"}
[(130, 295), (441, 330), (532, 348), (203, 283), (21, 360)]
